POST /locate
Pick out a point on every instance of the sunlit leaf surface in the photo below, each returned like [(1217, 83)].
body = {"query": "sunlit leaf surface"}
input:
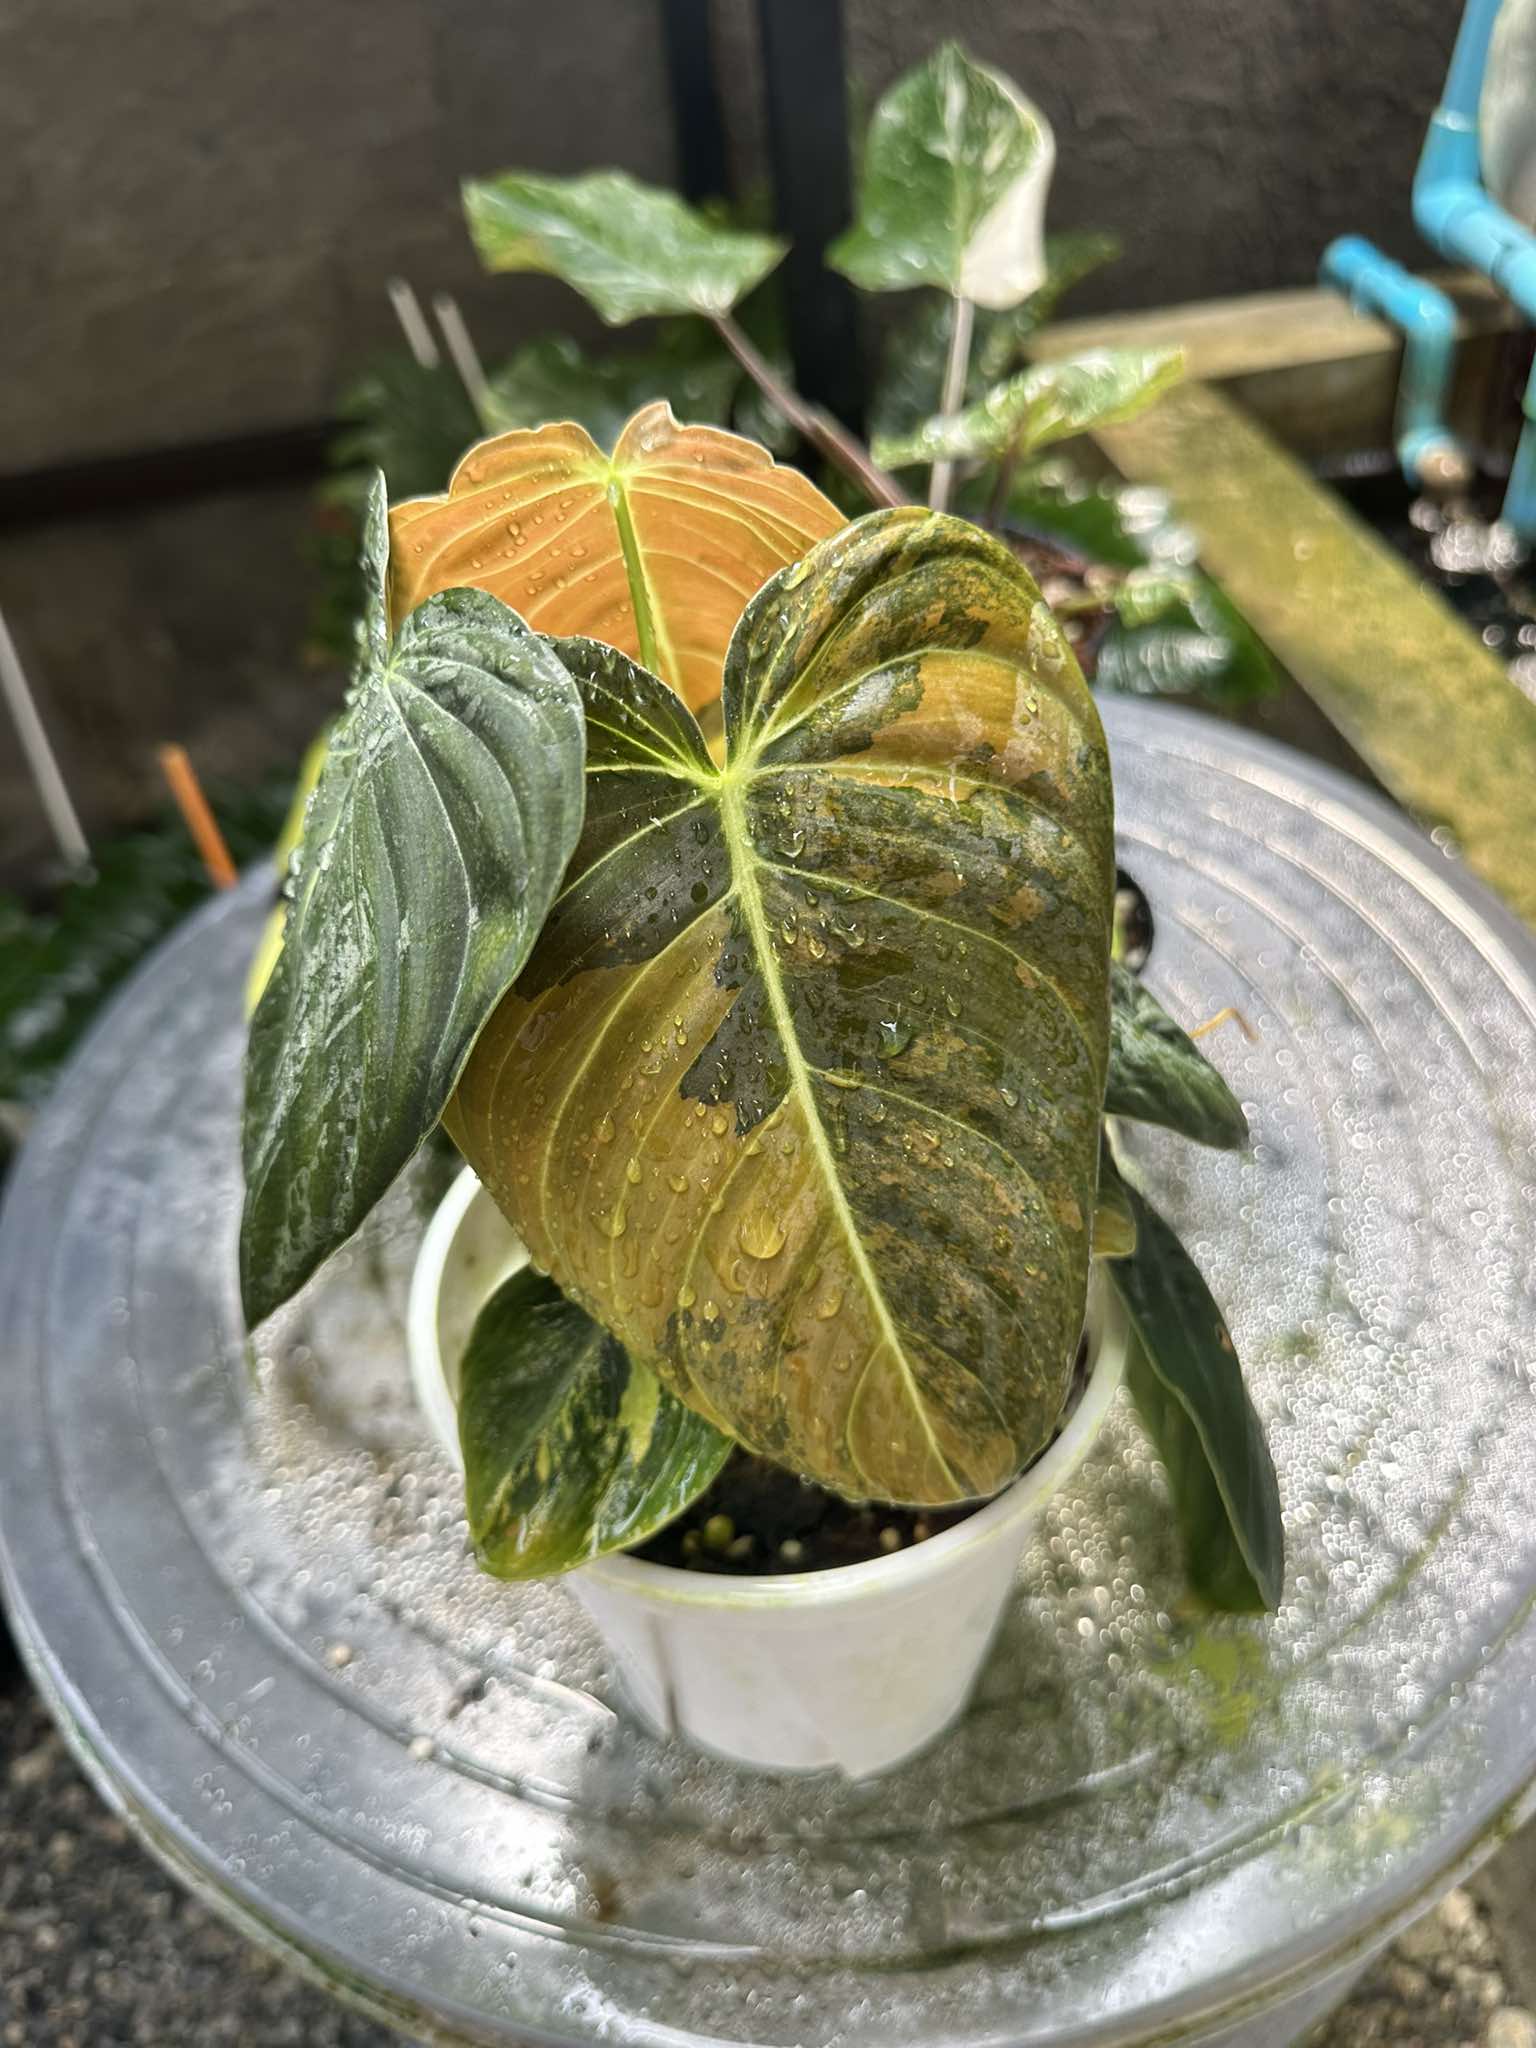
[(800, 1092), (653, 550)]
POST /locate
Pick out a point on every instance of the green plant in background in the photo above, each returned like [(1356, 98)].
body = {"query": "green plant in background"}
[(792, 1189), (955, 178), (58, 963)]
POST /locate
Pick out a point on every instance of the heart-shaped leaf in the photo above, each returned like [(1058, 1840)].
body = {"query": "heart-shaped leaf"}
[(626, 247), (571, 1449), (799, 1094), (1188, 1386), (444, 815), (956, 168), (1049, 401), (1158, 1075), (653, 550)]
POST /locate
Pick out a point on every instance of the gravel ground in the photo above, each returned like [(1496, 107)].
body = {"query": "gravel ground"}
[(98, 1949)]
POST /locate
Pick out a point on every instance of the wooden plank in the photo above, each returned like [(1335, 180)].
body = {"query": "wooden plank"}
[(1320, 375), (1411, 687), (1260, 331)]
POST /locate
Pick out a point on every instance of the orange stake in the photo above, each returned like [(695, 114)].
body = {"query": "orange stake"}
[(198, 818)]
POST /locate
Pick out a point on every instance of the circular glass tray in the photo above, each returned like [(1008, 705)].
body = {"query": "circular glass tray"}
[(241, 1575)]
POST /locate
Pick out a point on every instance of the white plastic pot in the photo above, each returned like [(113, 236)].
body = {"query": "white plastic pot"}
[(852, 1668)]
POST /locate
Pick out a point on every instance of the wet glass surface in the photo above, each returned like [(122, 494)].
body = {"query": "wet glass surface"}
[(245, 1581)]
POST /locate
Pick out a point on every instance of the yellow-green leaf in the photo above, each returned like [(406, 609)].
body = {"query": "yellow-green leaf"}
[(653, 550), (1048, 402), (628, 248), (1114, 1220), (571, 1448), (799, 1094)]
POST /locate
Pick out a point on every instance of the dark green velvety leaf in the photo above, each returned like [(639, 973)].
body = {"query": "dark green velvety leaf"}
[(800, 1093), (1158, 1075), (956, 168), (553, 378), (571, 1449), (1188, 1386), (442, 820), (1050, 401), (628, 248)]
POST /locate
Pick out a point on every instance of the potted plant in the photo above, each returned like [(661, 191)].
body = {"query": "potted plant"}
[(735, 882)]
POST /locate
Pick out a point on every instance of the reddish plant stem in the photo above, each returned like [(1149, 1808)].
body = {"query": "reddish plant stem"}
[(817, 427)]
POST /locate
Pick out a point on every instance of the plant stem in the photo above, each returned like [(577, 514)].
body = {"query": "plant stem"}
[(952, 397), (817, 427), (1002, 484)]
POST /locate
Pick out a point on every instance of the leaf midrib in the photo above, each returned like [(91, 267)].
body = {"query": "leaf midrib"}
[(745, 868), (656, 653)]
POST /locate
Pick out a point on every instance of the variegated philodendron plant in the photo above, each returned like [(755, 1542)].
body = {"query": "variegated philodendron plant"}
[(735, 882)]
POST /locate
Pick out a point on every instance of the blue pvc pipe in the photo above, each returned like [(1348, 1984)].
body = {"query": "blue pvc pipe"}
[(1426, 318), (1454, 212)]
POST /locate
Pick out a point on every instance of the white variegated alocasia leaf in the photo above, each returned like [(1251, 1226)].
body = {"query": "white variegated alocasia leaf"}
[(956, 169), (799, 1094)]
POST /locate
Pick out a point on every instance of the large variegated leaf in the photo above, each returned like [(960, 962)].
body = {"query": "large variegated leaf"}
[(571, 1448), (628, 248), (799, 1093), (1048, 402), (446, 808), (653, 550), (1158, 1075), (956, 169)]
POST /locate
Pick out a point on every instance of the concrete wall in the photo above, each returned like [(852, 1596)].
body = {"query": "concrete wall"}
[(202, 201)]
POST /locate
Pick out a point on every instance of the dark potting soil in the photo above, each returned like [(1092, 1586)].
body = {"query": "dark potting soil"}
[(757, 1519)]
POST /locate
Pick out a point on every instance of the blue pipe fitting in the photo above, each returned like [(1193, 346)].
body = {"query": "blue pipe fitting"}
[(1454, 212), (1426, 318)]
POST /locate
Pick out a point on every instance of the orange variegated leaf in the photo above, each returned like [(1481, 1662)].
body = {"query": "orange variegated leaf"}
[(654, 549)]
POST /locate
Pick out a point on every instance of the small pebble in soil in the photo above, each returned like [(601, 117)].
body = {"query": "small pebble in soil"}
[(890, 1539)]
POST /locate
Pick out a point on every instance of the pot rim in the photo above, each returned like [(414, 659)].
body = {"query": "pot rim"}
[(1108, 1339)]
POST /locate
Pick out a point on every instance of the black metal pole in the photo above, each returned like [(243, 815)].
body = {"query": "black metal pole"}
[(703, 169), (806, 94)]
